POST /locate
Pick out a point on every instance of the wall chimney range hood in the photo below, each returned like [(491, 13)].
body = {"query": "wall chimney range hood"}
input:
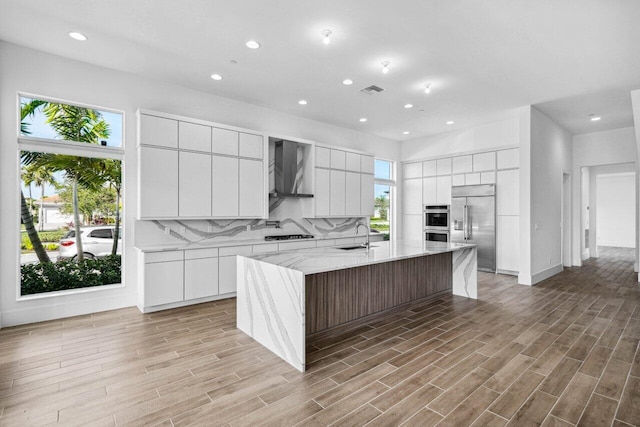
[(288, 170)]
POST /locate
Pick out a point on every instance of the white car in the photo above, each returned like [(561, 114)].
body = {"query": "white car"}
[(96, 242)]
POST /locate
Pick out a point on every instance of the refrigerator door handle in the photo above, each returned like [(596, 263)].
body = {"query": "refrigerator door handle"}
[(465, 222), (469, 228)]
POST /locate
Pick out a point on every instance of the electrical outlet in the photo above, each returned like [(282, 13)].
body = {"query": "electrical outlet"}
[(183, 230), (248, 227), (210, 229), (167, 231)]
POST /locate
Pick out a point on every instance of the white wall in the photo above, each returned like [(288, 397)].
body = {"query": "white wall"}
[(635, 102), (616, 210), (26, 70), (548, 157), (610, 147)]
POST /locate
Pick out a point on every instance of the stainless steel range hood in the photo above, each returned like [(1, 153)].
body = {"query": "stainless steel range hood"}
[(288, 170)]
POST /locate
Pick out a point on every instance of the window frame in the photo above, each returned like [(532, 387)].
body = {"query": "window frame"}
[(73, 148), (392, 192)]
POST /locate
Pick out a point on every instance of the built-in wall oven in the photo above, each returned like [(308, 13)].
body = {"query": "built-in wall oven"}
[(436, 223)]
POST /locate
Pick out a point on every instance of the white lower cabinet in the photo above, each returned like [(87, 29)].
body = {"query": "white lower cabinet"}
[(227, 267), (508, 243), (200, 273), (163, 278)]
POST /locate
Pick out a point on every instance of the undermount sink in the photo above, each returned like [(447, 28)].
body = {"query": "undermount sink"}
[(349, 248)]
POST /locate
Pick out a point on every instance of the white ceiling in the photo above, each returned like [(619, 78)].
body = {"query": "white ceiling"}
[(484, 59)]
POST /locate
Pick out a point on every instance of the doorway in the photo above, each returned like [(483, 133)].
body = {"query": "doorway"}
[(566, 219)]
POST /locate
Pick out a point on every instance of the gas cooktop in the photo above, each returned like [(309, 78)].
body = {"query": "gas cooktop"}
[(288, 237)]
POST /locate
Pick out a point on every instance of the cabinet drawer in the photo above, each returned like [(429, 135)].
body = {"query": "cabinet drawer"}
[(165, 256), (201, 253), (235, 250)]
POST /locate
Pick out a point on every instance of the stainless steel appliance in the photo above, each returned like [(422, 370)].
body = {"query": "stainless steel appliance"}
[(473, 220), (436, 223)]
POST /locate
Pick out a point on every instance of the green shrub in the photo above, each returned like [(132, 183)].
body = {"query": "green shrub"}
[(46, 237), (69, 274)]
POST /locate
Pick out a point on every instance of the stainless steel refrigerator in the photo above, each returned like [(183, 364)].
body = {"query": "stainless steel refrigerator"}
[(473, 220)]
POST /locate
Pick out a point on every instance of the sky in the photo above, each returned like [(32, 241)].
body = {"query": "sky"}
[(40, 129)]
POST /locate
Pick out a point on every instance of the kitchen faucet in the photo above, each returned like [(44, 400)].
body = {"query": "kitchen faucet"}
[(366, 244)]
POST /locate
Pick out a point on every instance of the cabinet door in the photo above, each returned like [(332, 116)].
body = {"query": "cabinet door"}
[(352, 199), (509, 158), (321, 195), (429, 191), (366, 195), (412, 199), (227, 274), (337, 193), (429, 168), (158, 192), (251, 146), (353, 162), (200, 278), (158, 131), (338, 159), (462, 164), (443, 166), (194, 198), (224, 199), (484, 162), (412, 170), (444, 190), (367, 164), (323, 157), (194, 137), (508, 192), (252, 191), (412, 227), (508, 243), (163, 283), (224, 141)]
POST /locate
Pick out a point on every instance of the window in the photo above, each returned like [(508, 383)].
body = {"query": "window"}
[(382, 219), (71, 179)]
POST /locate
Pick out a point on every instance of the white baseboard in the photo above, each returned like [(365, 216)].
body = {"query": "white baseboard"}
[(507, 272), (63, 310), (540, 276), (617, 244)]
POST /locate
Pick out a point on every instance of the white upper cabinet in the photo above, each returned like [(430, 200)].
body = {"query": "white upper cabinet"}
[(429, 168), (251, 193), (194, 184), (225, 188), (412, 198), (194, 137), (322, 193), (367, 164), (225, 141), (323, 157), (338, 159), (508, 192), (366, 195), (158, 131), (337, 205), (251, 145), (352, 162), (444, 166), (158, 182), (430, 190), (484, 162), (412, 170), (444, 190), (352, 196), (462, 164), (508, 159)]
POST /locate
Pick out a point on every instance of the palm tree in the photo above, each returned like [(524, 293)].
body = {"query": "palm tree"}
[(41, 177), (113, 172), (28, 109)]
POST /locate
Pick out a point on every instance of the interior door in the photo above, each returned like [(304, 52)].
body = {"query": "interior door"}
[(482, 230), (457, 219)]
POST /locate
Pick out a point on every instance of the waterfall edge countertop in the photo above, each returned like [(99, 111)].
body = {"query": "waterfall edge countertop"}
[(320, 260)]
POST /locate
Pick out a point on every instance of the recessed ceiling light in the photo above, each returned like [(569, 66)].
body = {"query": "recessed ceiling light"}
[(450, 122), (594, 118), (326, 36), (406, 132), (216, 76), (78, 36), (302, 102), (252, 44), (347, 82), (364, 119), (427, 88), (385, 66), (408, 105)]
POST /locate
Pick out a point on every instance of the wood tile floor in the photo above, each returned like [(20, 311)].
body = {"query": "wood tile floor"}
[(562, 353)]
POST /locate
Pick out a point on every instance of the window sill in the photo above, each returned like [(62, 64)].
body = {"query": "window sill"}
[(69, 292)]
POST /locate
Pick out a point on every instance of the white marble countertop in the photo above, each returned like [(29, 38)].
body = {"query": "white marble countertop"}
[(319, 260)]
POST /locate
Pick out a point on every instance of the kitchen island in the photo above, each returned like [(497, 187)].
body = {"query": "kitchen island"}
[(284, 297)]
